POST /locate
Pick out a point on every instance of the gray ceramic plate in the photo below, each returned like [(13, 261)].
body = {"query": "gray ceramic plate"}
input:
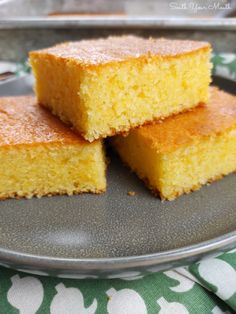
[(115, 235)]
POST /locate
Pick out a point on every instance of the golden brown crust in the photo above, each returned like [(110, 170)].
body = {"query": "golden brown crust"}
[(23, 121), (184, 128), (41, 194), (117, 49)]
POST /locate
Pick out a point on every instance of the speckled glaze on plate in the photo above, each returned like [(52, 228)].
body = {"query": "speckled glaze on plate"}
[(114, 235)]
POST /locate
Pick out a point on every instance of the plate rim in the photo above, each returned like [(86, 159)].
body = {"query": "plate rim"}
[(126, 262)]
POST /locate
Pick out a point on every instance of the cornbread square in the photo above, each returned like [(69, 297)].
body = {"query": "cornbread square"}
[(106, 86), (185, 151), (39, 155)]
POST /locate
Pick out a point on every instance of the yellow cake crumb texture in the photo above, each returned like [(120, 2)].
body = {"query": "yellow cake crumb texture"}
[(29, 170)]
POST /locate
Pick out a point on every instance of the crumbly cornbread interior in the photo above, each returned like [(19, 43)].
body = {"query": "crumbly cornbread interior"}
[(28, 170), (104, 99), (185, 151)]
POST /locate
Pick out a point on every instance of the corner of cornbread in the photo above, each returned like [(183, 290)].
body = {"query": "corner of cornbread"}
[(107, 86), (183, 152), (40, 156)]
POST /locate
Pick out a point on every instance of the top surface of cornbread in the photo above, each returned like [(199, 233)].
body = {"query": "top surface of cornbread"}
[(182, 129), (117, 49), (23, 121)]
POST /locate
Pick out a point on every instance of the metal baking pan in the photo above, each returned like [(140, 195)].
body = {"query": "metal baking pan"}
[(19, 36), (119, 22)]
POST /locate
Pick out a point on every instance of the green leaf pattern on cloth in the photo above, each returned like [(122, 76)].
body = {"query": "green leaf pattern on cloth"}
[(208, 286)]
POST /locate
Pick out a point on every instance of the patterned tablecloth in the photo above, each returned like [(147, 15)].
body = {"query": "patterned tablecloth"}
[(208, 286)]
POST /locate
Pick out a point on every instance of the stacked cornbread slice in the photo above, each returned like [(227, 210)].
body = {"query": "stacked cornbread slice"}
[(185, 151), (139, 88), (39, 155), (107, 86)]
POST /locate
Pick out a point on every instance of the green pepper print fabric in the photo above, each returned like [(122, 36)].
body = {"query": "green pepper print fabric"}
[(208, 286)]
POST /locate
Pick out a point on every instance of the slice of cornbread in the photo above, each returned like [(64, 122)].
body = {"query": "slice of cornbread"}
[(106, 86), (40, 156), (184, 151)]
